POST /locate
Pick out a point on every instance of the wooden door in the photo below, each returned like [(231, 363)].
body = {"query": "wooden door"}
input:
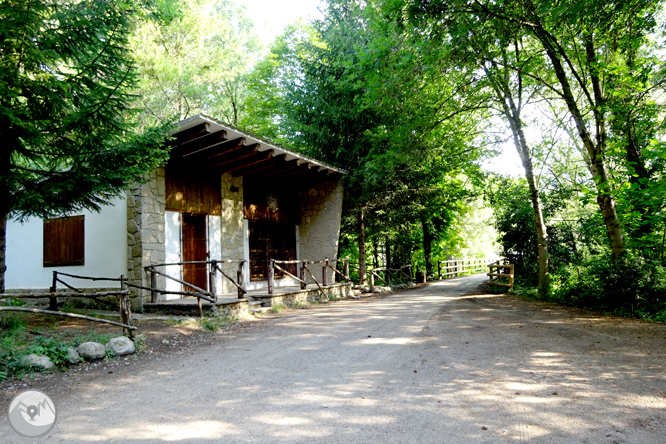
[(195, 249)]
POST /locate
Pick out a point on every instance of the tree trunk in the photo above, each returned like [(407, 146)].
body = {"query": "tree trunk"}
[(512, 113), (596, 151), (362, 270), (428, 238), (3, 250), (375, 253), (387, 245)]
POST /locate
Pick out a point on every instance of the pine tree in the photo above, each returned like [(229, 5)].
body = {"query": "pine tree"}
[(67, 117)]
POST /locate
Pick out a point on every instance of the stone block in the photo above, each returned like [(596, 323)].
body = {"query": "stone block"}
[(91, 351), (37, 361), (120, 346)]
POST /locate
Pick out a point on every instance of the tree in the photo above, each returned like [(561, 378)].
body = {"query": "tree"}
[(358, 92), (197, 62), (67, 119), (587, 43), (505, 63)]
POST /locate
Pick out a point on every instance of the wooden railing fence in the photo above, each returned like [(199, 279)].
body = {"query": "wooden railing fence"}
[(458, 267), (122, 293), (395, 273), (494, 276), (199, 293), (326, 264)]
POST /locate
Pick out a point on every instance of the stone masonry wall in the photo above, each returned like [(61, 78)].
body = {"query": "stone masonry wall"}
[(232, 227), (320, 212), (145, 233)]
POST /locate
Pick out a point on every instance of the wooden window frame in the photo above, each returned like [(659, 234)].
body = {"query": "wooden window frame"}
[(64, 241)]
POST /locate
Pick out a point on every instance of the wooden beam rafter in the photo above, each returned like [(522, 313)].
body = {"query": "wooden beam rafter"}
[(189, 134), (258, 167), (211, 151), (232, 156), (199, 143), (300, 169), (252, 159), (273, 169)]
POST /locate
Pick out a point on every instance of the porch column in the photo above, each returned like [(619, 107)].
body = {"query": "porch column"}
[(146, 205)]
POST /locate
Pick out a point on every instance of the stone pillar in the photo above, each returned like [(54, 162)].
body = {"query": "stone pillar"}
[(320, 213), (146, 205), (232, 227)]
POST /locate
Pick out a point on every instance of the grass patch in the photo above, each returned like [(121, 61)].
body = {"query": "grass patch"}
[(214, 323), (277, 308), (24, 333)]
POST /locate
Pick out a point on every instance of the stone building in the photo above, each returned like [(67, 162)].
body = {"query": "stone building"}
[(223, 196)]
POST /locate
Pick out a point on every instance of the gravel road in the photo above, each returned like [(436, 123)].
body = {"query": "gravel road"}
[(435, 364)]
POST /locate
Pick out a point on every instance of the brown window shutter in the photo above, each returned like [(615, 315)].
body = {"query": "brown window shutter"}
[(64, 241)]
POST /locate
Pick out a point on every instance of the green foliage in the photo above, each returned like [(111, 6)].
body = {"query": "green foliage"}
[(16, 343), (196, 62), (277, 308), (214, 323), (67, 117), (361, 93), (13, 302), (10, 324), (52, 348), (634, 286)]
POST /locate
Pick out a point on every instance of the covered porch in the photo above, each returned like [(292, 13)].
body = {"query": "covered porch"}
[(233, 199)]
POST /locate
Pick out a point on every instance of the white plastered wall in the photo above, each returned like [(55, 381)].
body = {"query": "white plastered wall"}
[(172, 250), (105, 250)]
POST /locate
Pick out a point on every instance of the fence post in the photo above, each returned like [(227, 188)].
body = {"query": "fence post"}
[(323, 272), (241, 279), (153, 286), (439, 269), (124, 303), (271, 275), (372, 281), (303, 284), (53, 301), (346, 270), (212, 275)]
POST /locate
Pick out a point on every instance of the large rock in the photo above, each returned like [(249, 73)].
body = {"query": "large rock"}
[(92, 351), (72, 355), (37, 361), (121, 346)]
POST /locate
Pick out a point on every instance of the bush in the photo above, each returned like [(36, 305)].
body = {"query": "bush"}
[(632, 286)]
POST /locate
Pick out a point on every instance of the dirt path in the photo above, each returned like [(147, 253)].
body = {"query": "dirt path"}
[(423, 366)]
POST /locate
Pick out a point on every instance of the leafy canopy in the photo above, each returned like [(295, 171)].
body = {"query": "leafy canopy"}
[(67, 119)]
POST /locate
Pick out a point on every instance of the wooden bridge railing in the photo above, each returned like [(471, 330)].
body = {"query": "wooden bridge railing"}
[(122, 293), (494, 275), (457, 267)]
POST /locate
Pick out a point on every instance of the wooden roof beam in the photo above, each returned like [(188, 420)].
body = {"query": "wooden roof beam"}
[(300, 169), (244, 151), (293, 164), (242, 162), (260, 166), (274, 169), (192, 133), (212, 151), (199, 143)]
